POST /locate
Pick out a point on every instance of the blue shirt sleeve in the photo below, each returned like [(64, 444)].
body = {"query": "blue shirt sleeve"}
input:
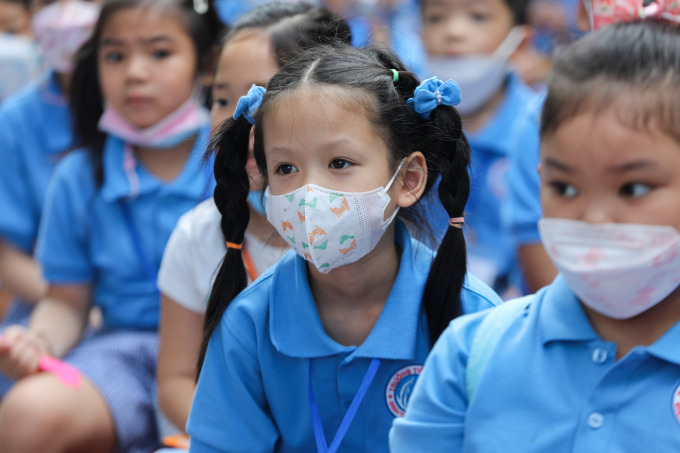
[(17, 222), (229, 412), (435, 418), (524, 204), (62, 239), (477, 295)]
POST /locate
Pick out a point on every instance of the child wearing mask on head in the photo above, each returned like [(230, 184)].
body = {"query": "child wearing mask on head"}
[(473, 42), (109, 210), (259, 43), (320, 353), (590, 363), (35, 132)]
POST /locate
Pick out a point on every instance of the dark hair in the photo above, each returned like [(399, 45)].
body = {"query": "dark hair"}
[(294, 27), (86, 99), (365, 76), (518, 8), (26, 4), (635, 63)]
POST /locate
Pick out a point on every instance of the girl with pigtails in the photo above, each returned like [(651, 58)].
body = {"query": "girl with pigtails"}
[(323, 349), (252, 52)]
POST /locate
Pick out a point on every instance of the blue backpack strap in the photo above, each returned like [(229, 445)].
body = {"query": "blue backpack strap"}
[(488, 334)]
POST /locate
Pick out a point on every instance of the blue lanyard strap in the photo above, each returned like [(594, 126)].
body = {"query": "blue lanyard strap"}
[(319, 435), (149, 270)]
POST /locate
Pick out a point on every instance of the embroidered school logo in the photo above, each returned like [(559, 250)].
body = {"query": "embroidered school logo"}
[(676, 403), (400, 387)]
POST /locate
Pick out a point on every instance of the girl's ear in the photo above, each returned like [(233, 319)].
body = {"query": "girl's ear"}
[(412, 180)]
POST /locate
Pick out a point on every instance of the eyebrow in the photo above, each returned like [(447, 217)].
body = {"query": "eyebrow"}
[(224, 85), (550, 162), (118, 42), (632, 166)]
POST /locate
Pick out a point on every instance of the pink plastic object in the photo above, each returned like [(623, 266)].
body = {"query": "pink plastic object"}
[(67, 374)]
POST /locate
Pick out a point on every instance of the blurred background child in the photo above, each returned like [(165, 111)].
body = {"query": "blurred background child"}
[(474, 43), (35, 132), (110, 209), (19, 56)]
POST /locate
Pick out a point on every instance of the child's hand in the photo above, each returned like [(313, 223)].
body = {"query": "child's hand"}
[(20, 352)]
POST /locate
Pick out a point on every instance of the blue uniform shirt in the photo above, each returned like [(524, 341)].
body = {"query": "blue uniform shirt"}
[(524, 185), (491, 247), (84, 238), (35, 131), (252, 394), (549, 385)]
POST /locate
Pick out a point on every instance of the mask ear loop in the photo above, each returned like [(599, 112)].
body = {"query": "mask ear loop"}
[(510, 43), (389, 184), (394, 176)]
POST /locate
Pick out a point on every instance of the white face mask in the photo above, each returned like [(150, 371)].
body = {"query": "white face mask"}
[(618, 270), (330, 228), (479, 76)]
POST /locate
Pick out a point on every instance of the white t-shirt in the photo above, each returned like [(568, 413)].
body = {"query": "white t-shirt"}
[(194, 254)]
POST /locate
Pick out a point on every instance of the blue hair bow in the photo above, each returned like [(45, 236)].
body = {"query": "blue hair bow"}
[(248, 104), (431, 93)]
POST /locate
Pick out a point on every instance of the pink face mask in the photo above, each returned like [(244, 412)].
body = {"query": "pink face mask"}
[(184, 122), (61, 28), (618, 270)]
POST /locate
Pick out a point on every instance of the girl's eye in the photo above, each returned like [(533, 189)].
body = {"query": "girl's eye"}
[(433, 19), (113, 57), (479, 17), (221, 102), (339, 164), (160, 54), (635, 190), (564, 190), (286, 169)]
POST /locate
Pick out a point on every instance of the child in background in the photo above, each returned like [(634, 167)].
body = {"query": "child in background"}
[(473, 43), (109, 211), (256, 47), (590, 363), (15, 17), (524, 203), (35, 132), (19, 57), (344, 138)]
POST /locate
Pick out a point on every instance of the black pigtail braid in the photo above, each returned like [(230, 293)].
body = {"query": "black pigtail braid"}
[(448, 270), (231, 195)]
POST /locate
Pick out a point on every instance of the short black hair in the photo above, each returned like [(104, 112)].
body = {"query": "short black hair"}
[(633, 59), (518, 8)]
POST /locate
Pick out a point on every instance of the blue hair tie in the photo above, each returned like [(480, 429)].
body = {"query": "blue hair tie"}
[(248, 104), (431, 93)]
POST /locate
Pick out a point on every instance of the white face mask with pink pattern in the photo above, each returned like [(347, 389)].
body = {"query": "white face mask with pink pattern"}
[(619, 270), (61, 28)]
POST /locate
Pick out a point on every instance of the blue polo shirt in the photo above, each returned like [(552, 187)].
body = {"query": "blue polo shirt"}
[(84, 237), (252, 394), (35, 132), (491, 246), (524, 184), (549, 385)]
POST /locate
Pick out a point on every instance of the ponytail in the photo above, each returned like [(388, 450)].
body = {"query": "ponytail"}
[(231, 194), (441, 297)]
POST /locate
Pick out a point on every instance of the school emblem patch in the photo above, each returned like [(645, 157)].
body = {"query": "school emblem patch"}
[(676, 403), (400, 387)]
